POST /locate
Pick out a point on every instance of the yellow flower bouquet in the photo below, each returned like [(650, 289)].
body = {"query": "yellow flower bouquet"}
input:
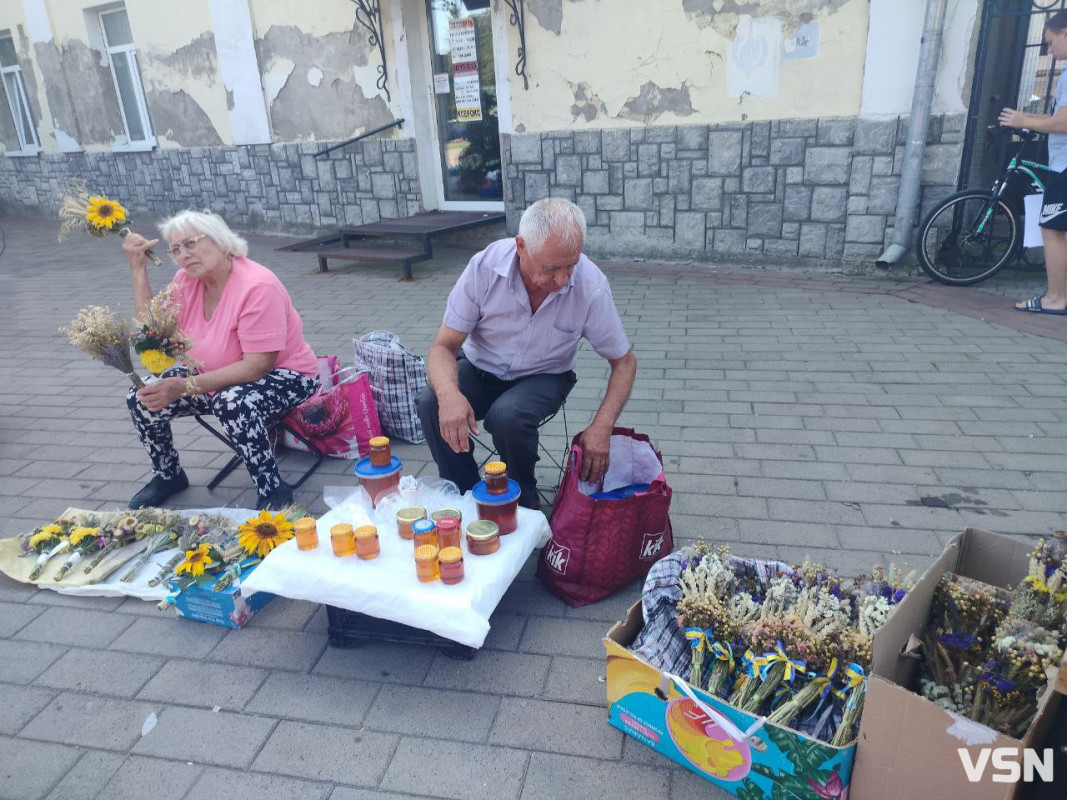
[(159, 342), (95, 214)]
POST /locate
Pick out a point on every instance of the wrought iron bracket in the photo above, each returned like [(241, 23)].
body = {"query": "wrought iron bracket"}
[(369, 15), (518, 19)]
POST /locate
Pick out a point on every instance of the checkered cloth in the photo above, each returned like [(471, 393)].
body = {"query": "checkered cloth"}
[(396, 376), (661, 642)]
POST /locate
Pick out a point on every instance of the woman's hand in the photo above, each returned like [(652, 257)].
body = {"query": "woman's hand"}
[(1010, 118), (135, 247), (160, 394)]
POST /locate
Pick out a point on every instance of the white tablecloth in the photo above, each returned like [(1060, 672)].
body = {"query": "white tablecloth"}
[(386, 587)]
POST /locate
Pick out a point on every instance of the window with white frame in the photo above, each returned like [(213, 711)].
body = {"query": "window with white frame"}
[(15, 89), (121, 52)]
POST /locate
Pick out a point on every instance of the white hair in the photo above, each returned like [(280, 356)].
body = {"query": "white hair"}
[(552, 216), (193, 222)]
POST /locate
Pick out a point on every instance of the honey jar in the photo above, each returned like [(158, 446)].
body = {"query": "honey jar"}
[(426, 568), (448, 532), (483, 537), (342, 539), (441, 513), (496, 477), (501, 508), (405, 517), (307, 533), (450, 564), (366, 537), (377, 480), (380, 451), (425, 532)]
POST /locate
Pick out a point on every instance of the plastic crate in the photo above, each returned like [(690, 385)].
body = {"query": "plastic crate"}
[(351, 629)]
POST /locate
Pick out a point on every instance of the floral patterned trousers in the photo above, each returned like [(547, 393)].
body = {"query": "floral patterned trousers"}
[(245, 411)]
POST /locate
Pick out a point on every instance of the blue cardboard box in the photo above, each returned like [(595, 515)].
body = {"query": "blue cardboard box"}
[(749, 760), (226, 607)]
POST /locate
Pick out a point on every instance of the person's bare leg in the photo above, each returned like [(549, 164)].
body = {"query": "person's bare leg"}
[(1055, 297)]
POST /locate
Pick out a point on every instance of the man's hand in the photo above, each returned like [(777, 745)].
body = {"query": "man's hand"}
[(160, 394), (596, 450), (1010, 118), (456, 418)]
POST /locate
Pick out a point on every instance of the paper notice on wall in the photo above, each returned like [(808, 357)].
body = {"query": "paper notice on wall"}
[(755, 56), (441, 83), (804, 43), (465, 81)]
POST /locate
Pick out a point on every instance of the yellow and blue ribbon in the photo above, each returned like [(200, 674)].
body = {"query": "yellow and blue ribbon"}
[(698, 639), (723, 652), (791, 666)]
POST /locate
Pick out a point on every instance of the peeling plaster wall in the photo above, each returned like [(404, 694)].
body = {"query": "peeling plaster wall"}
[(671, 67), (319, 72)]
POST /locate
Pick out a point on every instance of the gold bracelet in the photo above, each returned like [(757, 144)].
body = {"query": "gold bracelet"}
[(192, 388)]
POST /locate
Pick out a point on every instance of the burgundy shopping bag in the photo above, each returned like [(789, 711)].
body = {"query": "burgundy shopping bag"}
[(341, 417), (599, 546)]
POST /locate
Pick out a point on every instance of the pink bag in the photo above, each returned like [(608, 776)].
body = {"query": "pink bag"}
[(599, 546), (341, 419)]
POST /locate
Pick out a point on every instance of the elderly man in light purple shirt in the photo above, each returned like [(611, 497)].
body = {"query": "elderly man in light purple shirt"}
[(508, 346)]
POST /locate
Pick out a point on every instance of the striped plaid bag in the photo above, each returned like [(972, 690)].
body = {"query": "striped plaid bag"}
[(396, 376)]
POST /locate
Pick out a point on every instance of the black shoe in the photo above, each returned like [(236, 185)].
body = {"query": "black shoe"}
[(158, 490), (276, 500)]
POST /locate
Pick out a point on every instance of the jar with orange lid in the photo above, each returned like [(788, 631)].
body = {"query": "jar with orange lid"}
[(496, 477), (366, 537), (424, 532), (342, 539), (381, 453), (448, 533), (450, 564), (307, 533), (483, 537), (426, 565), (406, 517)]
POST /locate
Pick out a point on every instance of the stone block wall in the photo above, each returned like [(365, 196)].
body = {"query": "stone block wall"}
[(793, 190), (269, 186)]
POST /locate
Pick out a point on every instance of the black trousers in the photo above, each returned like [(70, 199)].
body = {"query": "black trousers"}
[(512, 412)]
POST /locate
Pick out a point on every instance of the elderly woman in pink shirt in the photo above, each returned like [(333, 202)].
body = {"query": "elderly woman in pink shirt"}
[(248, 342)]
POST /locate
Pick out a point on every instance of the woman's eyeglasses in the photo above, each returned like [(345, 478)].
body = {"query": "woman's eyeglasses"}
[(188, 245)]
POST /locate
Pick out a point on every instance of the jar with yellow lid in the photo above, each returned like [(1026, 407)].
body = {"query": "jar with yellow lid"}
[(307, 533), (496, 477), (381, 453), (483, 537), (342, 539), (366, 542), (450, 561), (426, 567)]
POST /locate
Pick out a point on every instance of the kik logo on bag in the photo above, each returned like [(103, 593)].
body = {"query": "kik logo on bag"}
[(557, 557), (651, 544)]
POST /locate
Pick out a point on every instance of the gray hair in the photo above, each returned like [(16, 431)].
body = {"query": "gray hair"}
[(212, 225), (552, 215)]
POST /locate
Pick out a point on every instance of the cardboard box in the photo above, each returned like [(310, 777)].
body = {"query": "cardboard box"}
[(226, 608), (909, 747), (771, 762)]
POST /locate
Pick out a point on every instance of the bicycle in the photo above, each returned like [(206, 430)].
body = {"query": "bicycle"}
[(971, 234)]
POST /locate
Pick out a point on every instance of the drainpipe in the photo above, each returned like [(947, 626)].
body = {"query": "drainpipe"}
[(918, 125)]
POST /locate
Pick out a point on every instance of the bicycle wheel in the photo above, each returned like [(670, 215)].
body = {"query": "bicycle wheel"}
[(968, 237)]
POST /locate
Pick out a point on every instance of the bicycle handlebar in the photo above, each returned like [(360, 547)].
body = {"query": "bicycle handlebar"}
[(1023, 133)]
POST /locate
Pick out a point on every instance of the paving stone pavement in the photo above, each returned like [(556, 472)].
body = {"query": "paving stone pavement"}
[(854, 420)]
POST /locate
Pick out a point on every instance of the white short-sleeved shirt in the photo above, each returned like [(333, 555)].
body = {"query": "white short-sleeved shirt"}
[(1057, 142), (490, 304)]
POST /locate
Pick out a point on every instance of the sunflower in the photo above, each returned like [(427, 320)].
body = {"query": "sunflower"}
[(156, 361), (196, 561), (42, 537), (104, 214), (78, 534), (260, 535), (53, 529)]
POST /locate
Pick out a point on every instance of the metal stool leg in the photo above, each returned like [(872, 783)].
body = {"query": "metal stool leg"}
[(236, 461)]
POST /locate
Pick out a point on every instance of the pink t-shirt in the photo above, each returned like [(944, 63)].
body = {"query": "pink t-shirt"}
[(255, 315)]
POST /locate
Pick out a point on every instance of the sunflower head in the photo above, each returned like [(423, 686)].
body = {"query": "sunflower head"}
[(196, 561), (156, 361), (42, 537), (103, 214), (53, 529), (259, 535)]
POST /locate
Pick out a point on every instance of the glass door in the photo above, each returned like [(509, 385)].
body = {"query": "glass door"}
[(464, 95)]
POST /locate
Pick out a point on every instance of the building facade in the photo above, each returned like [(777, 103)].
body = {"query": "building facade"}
[(698, 129)]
